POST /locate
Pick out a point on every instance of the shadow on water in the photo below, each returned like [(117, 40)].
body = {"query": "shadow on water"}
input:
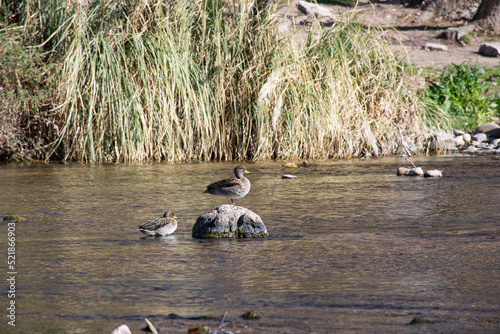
[(352, 247)]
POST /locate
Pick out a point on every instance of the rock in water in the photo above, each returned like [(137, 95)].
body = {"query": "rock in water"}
[(229, 221), (417, 171), (123, 329), (433, 173)]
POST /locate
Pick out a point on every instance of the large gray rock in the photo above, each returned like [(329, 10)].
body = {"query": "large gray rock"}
[(494, 133), (483, 128), (490, 49), (229, 221), (321, 13)]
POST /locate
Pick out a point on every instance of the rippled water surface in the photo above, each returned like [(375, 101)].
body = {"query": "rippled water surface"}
[(353, 248)]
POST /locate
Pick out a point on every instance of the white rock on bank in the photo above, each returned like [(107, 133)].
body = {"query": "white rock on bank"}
[(467, 138), (435, 47), (459, 141)]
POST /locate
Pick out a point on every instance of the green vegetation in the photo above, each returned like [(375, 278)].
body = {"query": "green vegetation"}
[(461, 91), (465, 39), (193, 80), (26, 95)]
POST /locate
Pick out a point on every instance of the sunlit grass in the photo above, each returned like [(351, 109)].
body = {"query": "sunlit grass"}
[(193, 80)]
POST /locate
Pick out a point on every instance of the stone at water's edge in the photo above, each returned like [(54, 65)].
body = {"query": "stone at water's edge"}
[(229, 221)]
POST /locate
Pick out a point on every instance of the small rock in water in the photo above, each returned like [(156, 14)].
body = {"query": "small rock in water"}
[(403, 171), (13, 218), (288, 176), (433, 173), (200, 330), (123, 329), (458, 132), (417, 171), (418, 320), (290, 164), (251, 315)]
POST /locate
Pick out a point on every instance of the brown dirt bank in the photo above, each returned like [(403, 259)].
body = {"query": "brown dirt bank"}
[(410, 33)]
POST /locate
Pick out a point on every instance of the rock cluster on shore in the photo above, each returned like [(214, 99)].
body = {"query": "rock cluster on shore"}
[(484, 139)]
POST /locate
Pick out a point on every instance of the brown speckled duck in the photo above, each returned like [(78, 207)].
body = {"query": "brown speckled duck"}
[(233, 188), (160, 226)]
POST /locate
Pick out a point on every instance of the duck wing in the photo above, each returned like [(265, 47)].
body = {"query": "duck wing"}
[(229, 183), (155, 224)]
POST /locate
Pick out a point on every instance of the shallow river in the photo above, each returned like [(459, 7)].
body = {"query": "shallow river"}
[(352, 248)]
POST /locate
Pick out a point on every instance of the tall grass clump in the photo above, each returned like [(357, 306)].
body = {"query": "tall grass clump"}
[(153, 80), (344, 96), (202, 80)]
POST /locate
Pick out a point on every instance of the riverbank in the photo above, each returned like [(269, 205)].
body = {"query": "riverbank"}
[(163, 94), (413, 28)]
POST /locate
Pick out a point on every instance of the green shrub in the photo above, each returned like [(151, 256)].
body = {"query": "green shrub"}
[(27, 92), (461, 92)]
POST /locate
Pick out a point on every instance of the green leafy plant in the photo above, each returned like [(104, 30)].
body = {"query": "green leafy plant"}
[(461, 92)]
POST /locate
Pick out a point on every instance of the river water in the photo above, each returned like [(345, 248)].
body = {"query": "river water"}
[(352, 248)]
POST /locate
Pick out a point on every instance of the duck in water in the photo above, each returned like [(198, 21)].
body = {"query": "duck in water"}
[(160, 226)]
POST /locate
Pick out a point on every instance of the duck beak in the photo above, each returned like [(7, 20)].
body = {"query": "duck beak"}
[(175, 217), (247, 172)]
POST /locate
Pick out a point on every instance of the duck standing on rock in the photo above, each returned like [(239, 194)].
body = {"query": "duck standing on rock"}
[(160, 226), (233, 188)]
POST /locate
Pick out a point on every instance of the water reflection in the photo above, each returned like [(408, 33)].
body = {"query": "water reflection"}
[(351, 246)]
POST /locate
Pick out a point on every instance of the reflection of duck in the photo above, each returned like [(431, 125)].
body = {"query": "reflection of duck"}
[(160, 226), (233, 188)]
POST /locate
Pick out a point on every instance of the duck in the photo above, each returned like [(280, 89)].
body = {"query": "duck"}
[(161, 226), (233, 188)]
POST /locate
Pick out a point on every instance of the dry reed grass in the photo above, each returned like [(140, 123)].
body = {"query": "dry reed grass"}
[(191, 80)]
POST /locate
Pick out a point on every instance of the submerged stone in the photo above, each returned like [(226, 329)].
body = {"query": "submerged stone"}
[(12, 218), (200, 330), (123, 329), (418, 320), (229, 221), (251, 315)]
